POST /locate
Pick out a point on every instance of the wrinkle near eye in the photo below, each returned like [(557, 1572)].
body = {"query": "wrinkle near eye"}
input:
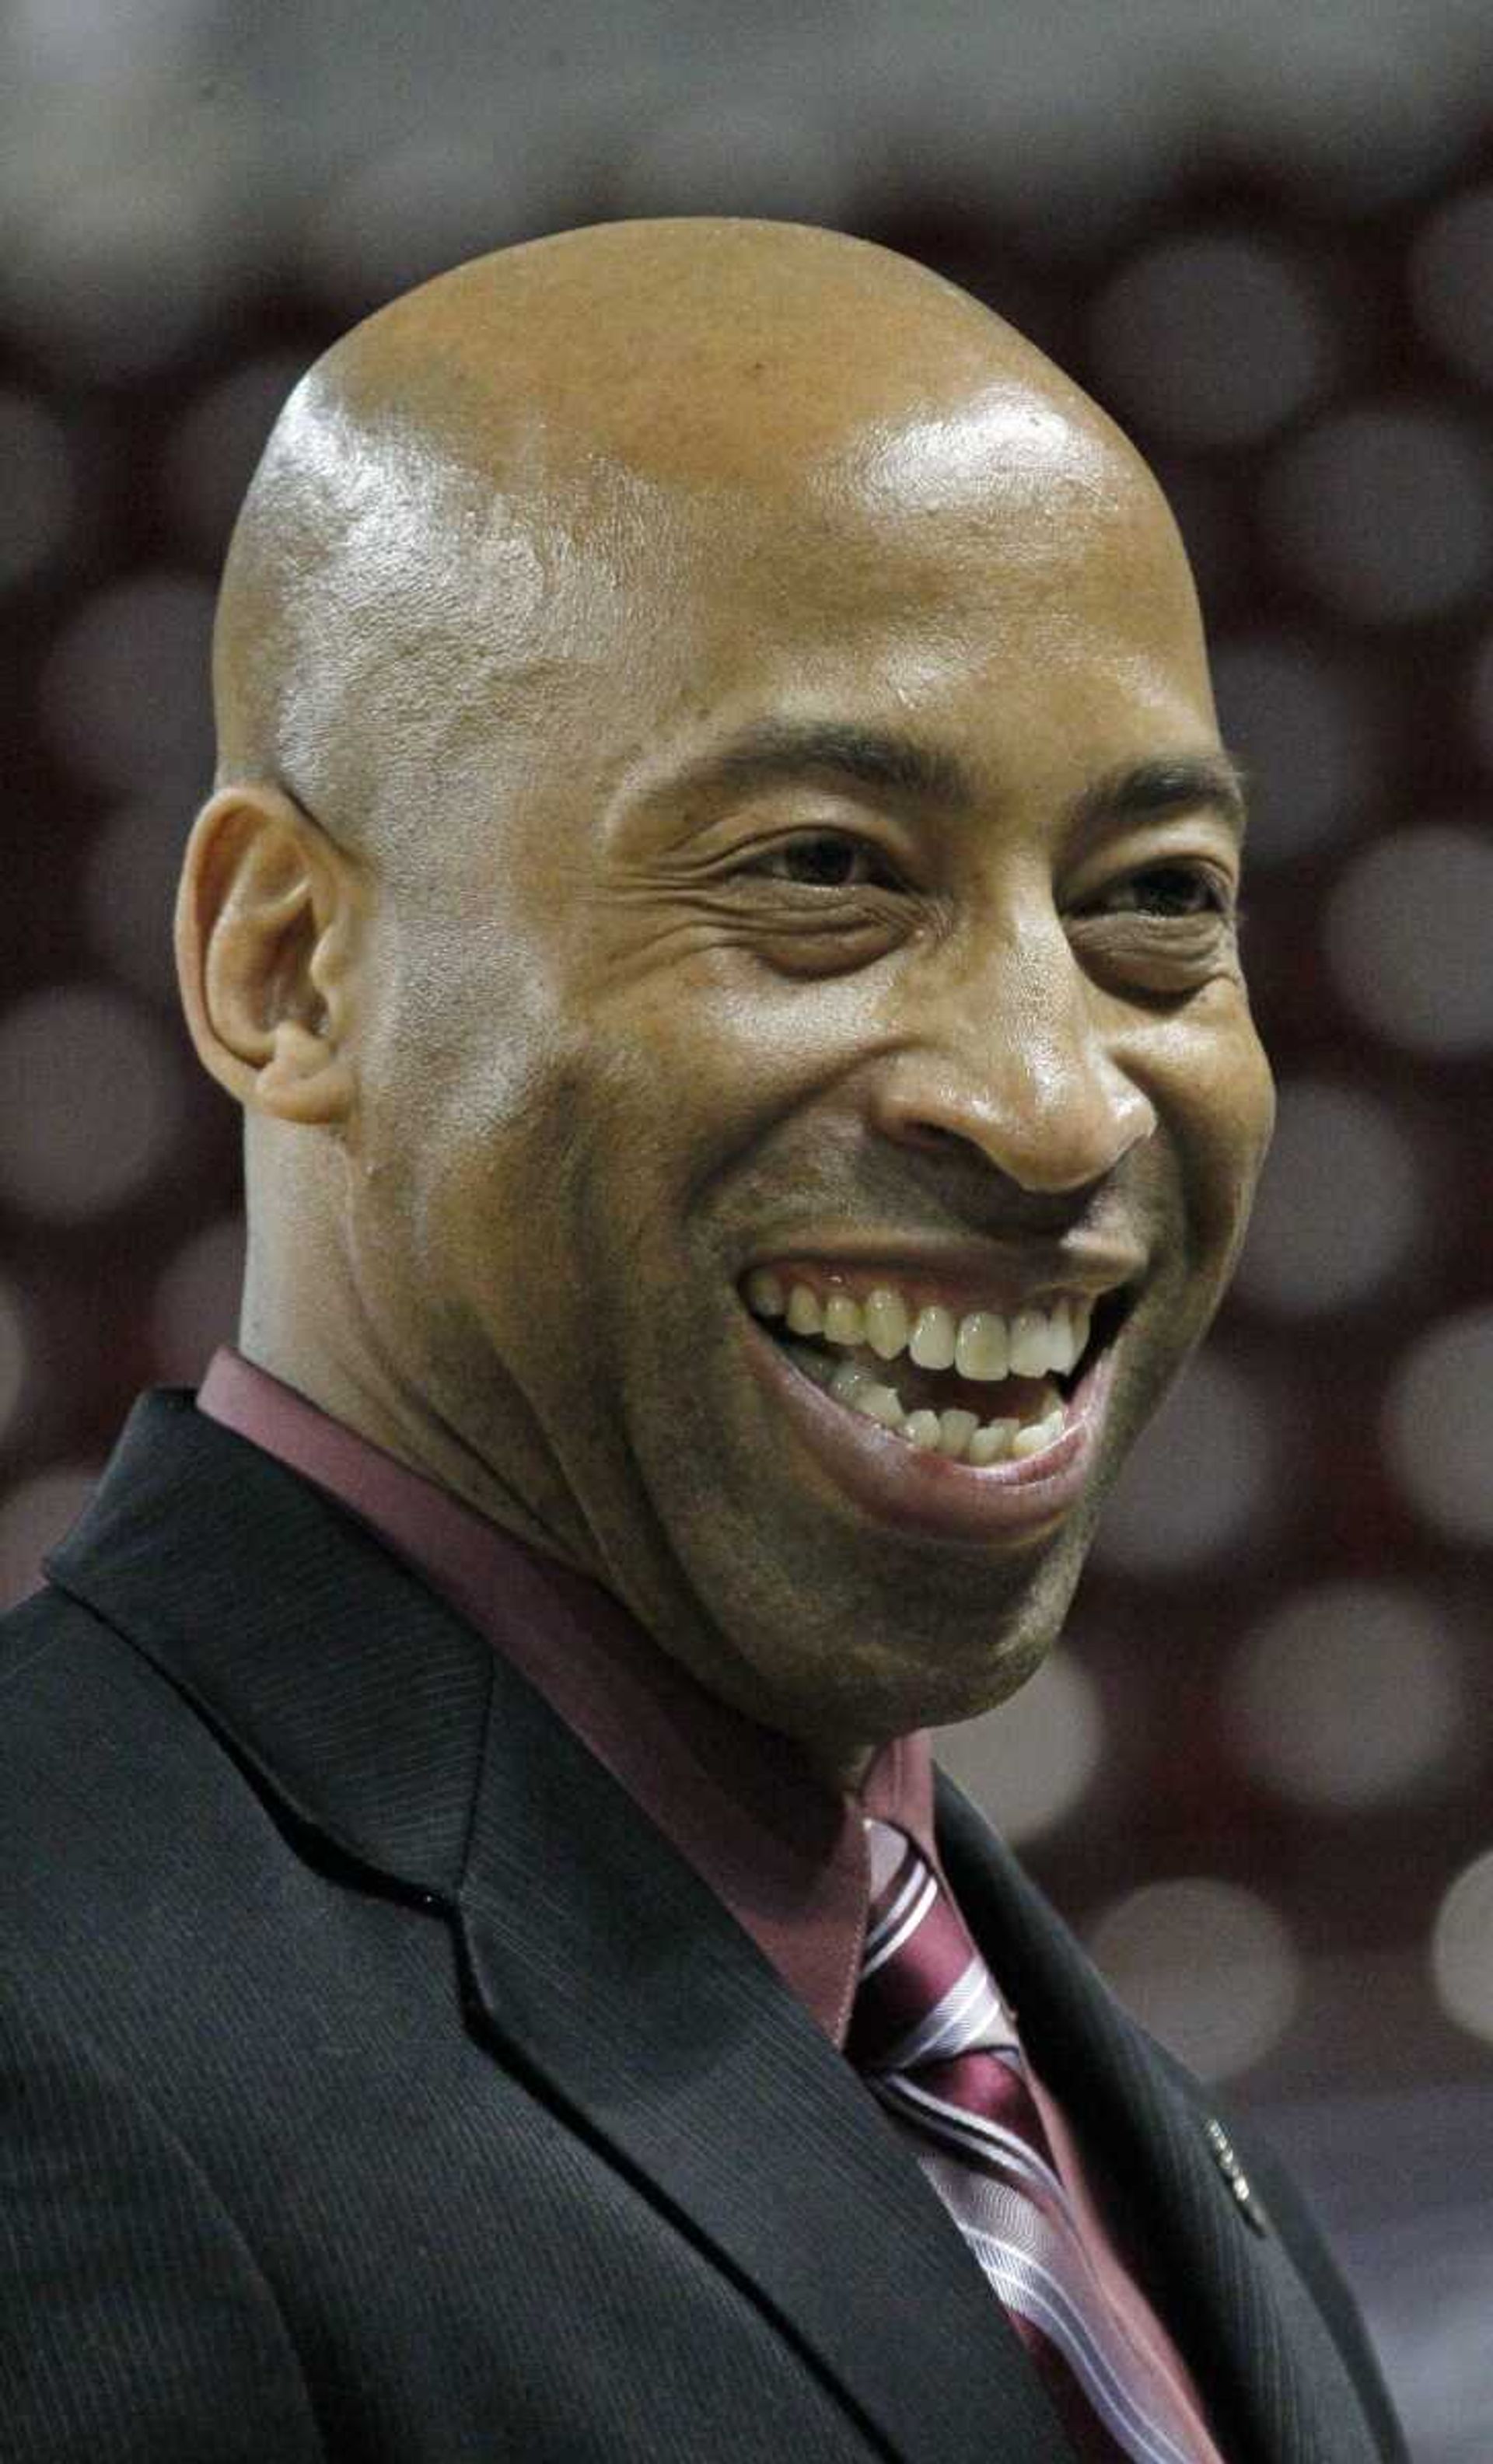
[(1140, 955)]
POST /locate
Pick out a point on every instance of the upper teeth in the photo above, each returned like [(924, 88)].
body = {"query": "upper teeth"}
[(982, 1344)]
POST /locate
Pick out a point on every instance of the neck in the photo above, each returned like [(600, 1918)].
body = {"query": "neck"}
[(358, 1386)]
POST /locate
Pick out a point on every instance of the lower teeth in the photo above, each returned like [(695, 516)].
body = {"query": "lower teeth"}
[(955, 1434)]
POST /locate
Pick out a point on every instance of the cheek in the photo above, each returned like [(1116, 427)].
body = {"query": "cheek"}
[(702, 1060), (456, 1084)]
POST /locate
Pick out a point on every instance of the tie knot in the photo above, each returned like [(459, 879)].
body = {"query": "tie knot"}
[(925, 1995)]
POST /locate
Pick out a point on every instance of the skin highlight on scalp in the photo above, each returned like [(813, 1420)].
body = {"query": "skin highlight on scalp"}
[(459, 504)]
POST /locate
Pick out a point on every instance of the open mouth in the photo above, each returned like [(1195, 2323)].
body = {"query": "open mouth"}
[(977, 1386)]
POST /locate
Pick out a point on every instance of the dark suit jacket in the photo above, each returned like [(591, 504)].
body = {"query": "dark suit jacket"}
[(377, 2083)]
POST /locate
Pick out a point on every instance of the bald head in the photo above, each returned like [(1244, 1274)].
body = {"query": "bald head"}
[(717, 766), (479, 496)]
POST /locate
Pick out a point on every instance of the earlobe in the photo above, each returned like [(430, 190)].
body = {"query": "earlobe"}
[(304, 1079), (262, 928)]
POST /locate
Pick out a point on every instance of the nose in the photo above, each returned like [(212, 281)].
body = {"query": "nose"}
[(1021, 1060)]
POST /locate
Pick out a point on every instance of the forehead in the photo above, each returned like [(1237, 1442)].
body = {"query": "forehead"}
[(989, 579), (1008, 505), (1003, 580)]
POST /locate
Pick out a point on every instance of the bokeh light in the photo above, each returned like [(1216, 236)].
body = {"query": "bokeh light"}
[(1342, 1203), (1262, 240), (1209, 339), (1208, 1967), (1462, 1948), (128, 894), (1200, 1476), (1385, 512), (1303, 723), (126, 691), (195, 1304), (1438, 1424), (1350, 1694), (1409, 934), (1028, 1764), (90, 1098)]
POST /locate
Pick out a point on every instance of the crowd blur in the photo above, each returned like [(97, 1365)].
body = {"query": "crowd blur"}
[(1259, 1774)]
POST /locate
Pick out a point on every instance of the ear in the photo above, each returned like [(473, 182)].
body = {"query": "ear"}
[(267, 913)]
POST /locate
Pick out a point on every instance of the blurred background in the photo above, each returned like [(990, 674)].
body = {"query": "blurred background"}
[(1259, 1774)]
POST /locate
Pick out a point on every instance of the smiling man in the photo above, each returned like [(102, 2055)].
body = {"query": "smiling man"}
[(719, 909)]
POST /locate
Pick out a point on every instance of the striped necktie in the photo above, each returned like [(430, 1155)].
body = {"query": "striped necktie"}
[(937, 2046)]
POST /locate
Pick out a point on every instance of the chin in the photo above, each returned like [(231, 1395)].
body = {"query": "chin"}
[(858, 1677)]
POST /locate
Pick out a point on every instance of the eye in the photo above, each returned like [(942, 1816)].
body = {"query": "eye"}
[(1169, 890), (824, 860)]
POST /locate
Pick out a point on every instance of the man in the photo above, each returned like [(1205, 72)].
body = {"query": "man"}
[(718, 908)]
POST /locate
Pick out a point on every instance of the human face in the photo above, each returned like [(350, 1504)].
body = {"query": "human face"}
[(877, 931)]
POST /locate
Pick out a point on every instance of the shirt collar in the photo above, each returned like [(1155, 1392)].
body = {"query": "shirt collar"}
[(783, 1850)]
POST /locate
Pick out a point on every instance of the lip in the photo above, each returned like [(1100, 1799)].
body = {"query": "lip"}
[(925, 1492)]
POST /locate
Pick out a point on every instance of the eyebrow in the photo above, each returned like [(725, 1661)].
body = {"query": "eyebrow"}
[(1147, 791), (775, 750)]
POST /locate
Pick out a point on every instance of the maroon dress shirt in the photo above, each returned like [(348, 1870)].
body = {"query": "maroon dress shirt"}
[(783, 1852)]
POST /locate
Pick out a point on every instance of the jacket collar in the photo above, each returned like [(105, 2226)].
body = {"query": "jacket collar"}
[(606, 1971), (595, 1961), (355, 1695)]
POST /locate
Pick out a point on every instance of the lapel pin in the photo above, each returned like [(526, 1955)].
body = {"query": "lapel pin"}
[(1246, 2200)]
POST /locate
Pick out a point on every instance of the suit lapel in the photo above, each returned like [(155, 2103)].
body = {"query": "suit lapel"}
[(595, 1961), (1254, 2340), (601, 1966), (608, 1972), (354, 1693)]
